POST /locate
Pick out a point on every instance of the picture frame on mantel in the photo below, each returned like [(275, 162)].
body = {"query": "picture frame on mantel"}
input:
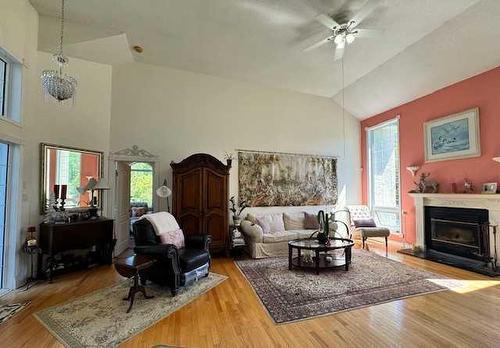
[(454, 136)]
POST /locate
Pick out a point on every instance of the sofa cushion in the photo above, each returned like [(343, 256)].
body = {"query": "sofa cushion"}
[(285, 236), (294, 221), (311, 221), (368, 232), (271, 223)]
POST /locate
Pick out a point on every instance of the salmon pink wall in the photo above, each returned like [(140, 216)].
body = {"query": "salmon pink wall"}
[(482, 91)]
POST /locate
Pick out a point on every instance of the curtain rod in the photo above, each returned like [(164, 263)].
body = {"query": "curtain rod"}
[(286, 153)]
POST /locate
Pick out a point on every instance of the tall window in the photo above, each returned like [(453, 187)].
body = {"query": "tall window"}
[(10, 87), (383, 174), (141, 183)]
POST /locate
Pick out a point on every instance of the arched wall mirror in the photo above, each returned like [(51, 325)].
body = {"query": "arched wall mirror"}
[(66, 172)]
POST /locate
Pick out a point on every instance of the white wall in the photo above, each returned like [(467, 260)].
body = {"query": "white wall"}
[(174, 113), (86, 125)]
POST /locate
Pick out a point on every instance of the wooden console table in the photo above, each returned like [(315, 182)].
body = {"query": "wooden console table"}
[(56, 238)]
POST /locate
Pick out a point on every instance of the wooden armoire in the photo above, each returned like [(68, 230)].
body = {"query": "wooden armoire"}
[(200, 192)]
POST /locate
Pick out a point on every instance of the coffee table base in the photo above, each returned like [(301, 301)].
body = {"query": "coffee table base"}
[(322, 259), (322, 264)]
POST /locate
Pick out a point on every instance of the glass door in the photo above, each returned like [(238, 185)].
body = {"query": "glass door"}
[(4, 165)]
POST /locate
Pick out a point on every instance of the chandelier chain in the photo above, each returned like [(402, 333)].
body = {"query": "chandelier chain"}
[(61, 37), (54, 83)]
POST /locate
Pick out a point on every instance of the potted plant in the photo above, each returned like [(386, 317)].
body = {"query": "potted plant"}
[(237, 210)]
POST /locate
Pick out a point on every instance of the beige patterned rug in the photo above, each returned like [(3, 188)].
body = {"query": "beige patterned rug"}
[(99, 319), (298, 295)]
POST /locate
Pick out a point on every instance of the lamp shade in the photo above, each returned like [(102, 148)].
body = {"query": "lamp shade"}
[(413, 169), (163, 191), (92, 183)]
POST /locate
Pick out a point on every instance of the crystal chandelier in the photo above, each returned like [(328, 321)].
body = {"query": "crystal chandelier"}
[(54, 83)]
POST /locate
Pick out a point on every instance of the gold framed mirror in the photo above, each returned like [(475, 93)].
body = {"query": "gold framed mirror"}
[(66, 171)]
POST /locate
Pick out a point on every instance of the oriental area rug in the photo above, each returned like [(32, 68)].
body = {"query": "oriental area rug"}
[(99, 319), (301, 294)]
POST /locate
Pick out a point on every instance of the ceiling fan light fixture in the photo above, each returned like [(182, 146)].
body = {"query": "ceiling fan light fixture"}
[(350, 38), (339, 39)]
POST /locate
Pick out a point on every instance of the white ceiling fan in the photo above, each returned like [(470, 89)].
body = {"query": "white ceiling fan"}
[(344, 34)]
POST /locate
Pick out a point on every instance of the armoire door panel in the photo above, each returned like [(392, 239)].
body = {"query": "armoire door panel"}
[(215, 195), (190, 187), (215, 225), (190, 224)]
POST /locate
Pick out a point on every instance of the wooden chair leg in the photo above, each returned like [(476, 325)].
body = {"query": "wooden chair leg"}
[(386, 247)]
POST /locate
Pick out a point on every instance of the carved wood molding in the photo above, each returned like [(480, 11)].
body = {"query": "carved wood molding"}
[(134, 152), (201, 160)]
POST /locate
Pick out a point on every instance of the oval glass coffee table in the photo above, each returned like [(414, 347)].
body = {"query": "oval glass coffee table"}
[(324, 256)]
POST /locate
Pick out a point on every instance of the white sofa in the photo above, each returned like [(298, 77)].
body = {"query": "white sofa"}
[(260, 244)]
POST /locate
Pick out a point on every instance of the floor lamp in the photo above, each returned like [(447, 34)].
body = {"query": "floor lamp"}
[(164, 192)]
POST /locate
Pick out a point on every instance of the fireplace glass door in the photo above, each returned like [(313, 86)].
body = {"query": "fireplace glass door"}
[(455, 232)]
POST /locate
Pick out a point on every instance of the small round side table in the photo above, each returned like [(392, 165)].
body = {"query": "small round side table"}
[(31, 251)]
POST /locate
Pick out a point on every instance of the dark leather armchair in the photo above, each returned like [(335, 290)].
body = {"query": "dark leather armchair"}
[(174, 267)]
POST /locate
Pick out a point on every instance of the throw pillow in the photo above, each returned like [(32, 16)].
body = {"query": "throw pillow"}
[(293, 221), (311, 221), (175, 237), (364, 223), (271, 223)]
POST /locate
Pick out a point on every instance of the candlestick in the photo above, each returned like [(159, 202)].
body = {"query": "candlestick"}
[(56, 191), (64, 190)]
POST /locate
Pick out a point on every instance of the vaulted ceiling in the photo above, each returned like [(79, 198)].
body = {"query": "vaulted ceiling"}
[(421, 45)]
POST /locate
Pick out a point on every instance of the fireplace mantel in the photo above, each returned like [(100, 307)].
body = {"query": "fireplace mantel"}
[(454, 196), (491, 202)]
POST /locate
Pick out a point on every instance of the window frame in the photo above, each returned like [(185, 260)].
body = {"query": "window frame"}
[(5, 93), (12, 97), (374, 210)]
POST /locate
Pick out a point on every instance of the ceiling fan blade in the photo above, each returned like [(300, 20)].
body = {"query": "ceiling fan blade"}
[(365, 11), (327, 21), (368, 33), (339, 52), (318, 44)]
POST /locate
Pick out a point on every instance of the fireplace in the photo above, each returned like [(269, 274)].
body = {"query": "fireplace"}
[(457, 231)]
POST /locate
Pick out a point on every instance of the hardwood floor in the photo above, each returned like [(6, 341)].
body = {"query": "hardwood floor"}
[(231, 315)]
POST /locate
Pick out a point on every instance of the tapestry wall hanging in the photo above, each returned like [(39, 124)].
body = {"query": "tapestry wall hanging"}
[(281, 179)]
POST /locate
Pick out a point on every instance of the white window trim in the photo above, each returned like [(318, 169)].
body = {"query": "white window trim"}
[(13, 88), (368, 158)]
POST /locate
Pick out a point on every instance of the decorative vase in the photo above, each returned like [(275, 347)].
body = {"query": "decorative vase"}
[(324, 224), (236, 221), (322, 238)]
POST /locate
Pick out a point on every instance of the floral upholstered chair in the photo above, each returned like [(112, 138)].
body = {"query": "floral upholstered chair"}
[(362, 221)]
